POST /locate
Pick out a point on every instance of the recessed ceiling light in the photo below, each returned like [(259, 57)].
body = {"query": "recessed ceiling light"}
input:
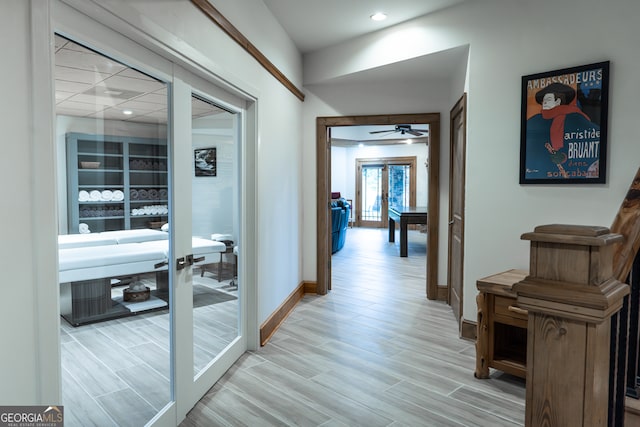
[(378, 16), (127, 112), (408, 141), (361, 145)]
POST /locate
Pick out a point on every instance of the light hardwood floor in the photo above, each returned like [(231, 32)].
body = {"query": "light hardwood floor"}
[(373, 352)]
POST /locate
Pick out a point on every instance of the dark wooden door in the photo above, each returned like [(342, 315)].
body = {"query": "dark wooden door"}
[(455, 274)]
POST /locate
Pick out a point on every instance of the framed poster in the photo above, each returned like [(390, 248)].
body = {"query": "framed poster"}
[(563, 134), (205, 161)]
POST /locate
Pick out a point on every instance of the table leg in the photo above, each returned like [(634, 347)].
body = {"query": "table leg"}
[(90, 298), (392, 230), (403, 238), (482, 339)]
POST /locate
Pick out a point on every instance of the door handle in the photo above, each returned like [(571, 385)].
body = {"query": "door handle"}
[(451, 222), (161, 264), (190, 260), (181, 263)]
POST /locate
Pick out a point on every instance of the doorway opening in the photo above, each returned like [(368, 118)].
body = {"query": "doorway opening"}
[(323, 156)]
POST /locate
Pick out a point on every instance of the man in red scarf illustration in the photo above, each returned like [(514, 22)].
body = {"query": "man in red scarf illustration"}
[(562, 141)]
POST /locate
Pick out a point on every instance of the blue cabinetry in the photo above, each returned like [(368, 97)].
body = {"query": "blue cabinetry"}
[(116, 182)]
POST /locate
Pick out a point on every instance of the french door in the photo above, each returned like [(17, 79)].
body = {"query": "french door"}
[(151, 212), (382, 183), (207, 157)]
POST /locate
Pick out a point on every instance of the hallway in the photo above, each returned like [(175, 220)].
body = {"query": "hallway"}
[(373, 352)]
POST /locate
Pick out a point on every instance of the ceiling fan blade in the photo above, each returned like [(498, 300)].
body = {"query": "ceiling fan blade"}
[(388, 132), (382, 131), (414, 132)]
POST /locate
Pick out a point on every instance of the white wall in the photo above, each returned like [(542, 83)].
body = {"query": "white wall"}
[(343, 167), (214, 197), (18, 334), (340, 178), (507, 39)]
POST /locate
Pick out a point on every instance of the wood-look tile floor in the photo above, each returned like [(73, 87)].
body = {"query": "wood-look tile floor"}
[(117, 372), (373, 352)]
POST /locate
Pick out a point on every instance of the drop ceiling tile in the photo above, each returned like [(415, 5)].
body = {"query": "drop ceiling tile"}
[(159, 115), (71, 112), (75, 87), (108, 91), (79, 75), (152, 118), (90, 84), (140, 107), (129, 83), (61, 95), (135, 74), (98, 100), (153, 98), (88, 61), (111, 114), (89, 108), (59, 41)]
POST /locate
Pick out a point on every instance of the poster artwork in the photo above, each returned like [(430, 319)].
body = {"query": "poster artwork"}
[(564, 124)]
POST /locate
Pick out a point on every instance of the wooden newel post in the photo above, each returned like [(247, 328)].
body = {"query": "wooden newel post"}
[(570, 295)]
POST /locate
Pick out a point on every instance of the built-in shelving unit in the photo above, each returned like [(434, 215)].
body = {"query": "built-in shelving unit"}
[(116, 182)]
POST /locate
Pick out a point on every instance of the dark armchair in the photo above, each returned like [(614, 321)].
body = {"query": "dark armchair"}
[(340, 210)]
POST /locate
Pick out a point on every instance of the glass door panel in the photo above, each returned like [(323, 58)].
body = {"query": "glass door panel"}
[(215, 219), (115, 325), (371, 195), (382, 183), (399, 185)]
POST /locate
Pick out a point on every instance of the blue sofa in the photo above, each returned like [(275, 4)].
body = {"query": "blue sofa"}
[(340, 209)]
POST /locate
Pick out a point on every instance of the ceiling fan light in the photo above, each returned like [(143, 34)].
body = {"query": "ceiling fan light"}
[(378, 16)]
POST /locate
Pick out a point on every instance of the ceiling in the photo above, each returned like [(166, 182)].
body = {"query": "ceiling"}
[(314, 24), (92, 85)]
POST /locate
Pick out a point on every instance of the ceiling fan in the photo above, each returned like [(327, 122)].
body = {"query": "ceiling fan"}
[(403, 129)]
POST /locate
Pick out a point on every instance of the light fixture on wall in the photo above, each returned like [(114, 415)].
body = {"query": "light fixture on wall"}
[(378, 16)]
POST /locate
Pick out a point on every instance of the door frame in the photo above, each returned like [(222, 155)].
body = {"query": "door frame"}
[(323, 190), (460, 108), (385, 162)]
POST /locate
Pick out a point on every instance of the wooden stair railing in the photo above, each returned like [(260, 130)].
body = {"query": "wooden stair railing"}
[(625, 339)]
